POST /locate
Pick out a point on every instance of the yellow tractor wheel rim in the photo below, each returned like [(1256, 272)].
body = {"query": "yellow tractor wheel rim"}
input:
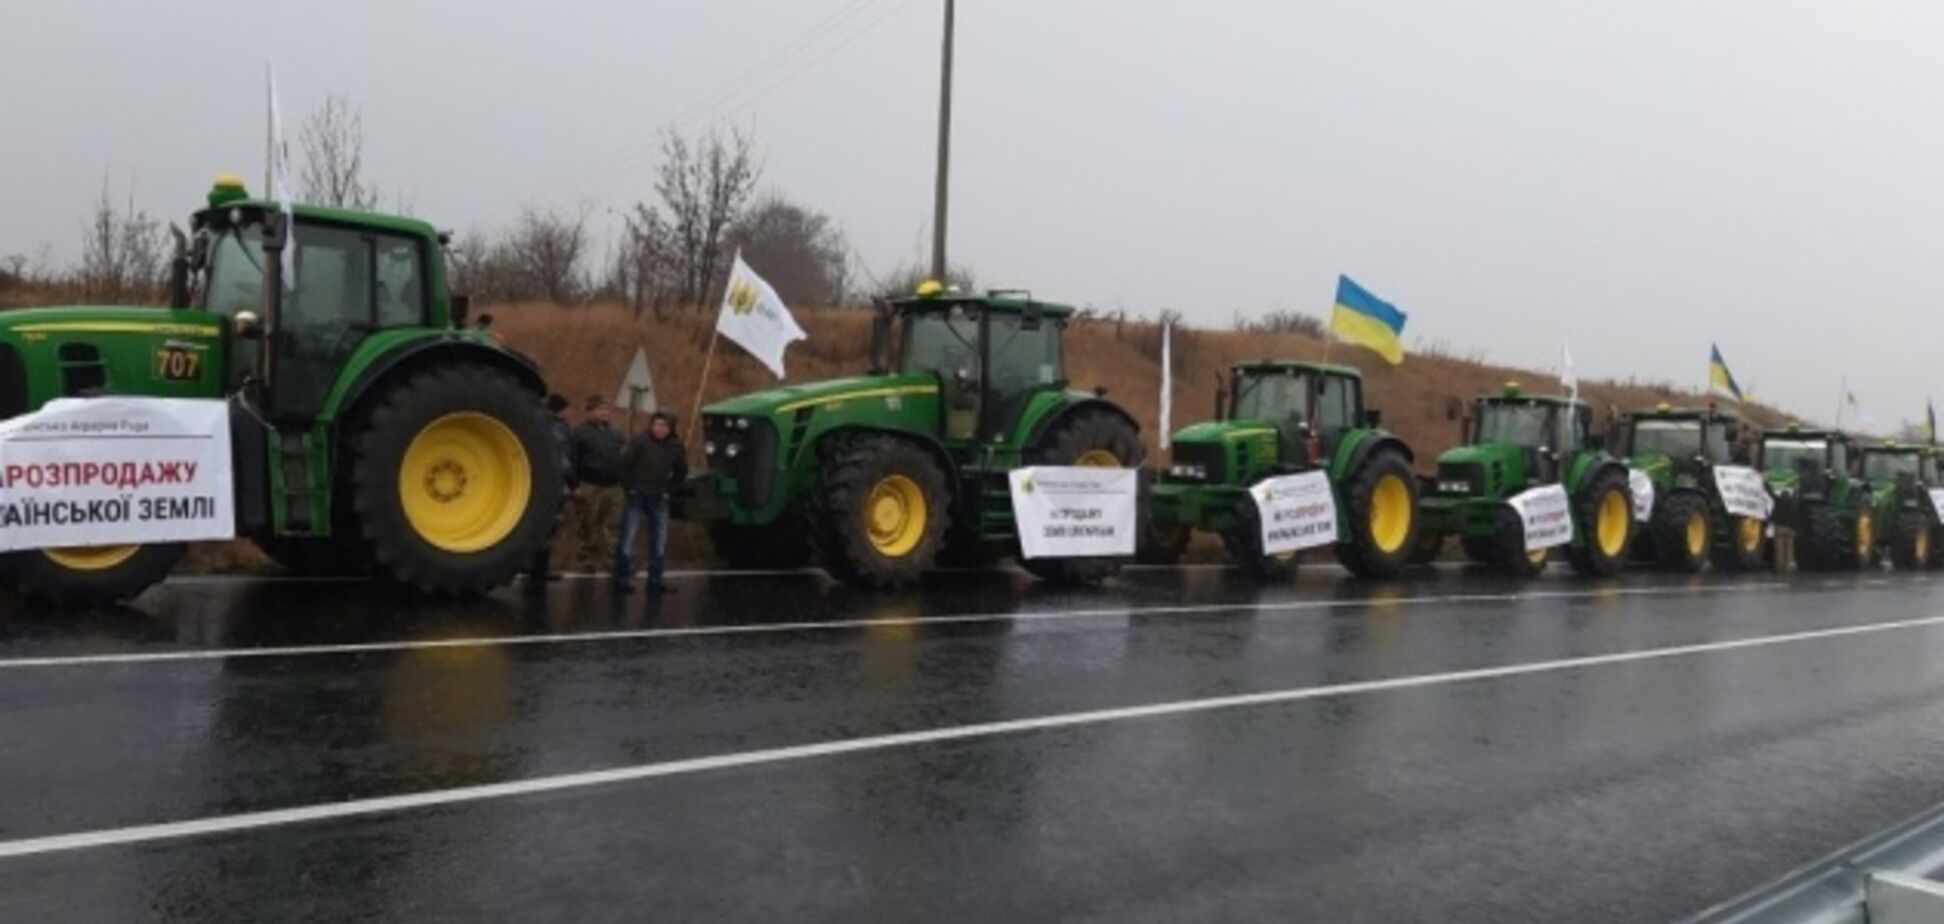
[(1750, 533), (1865, 535), (1390, 513), (1610, 525), (465, 482), (91, 557), (1921, 548), (1098, 458), (895, 514), (1537, 557), (1697, 534)]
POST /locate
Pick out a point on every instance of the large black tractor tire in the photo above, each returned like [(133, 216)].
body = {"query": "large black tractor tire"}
[(1683, 534), (1383, 517), (1746, 548), (1605, 529), (879, 512), (1085, 438), (777, 545), (90, 576), (1824, 547), (1162, 544), (1481, 550), (317, 557), (1508, 548), (1910, 541), (1243, 542), (455, 482)]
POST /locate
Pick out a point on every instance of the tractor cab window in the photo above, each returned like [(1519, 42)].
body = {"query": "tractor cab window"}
[(349, 282), (1784, 454), (1678, 439), (235, 279), (1531, 425), (1276, 397), (944, 342), (1718, 450), (401, 281), (1889, 466), (1839, 457), (1336, 403), (1022, 360)]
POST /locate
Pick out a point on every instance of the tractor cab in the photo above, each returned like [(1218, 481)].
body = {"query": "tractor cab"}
[(1685, 441), (1527, 436), (1800, 461), (991, 355), (1893, 463)]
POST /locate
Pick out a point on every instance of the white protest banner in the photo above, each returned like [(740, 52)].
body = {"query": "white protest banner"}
[(1296, 512), (1643, 494), (1937, 503), (1743, 492), (1075, 512), (115, 471), (1548, 516)]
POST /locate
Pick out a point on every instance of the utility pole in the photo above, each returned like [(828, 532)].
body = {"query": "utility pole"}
[(944, 149)]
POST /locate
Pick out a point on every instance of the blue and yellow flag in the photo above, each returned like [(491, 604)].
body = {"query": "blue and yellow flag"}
[(1720, 380), (1366, 320)]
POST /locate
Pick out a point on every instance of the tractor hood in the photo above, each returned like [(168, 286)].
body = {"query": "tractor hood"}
[(1481, 453), (48, 353), (790, 398), (1218, 431)]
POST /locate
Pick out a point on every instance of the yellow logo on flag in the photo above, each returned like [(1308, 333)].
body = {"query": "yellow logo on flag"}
[(742, 297)]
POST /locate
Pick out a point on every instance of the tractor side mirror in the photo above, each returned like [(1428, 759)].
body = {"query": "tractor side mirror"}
[(179, 270), (247, 326), (1373, 418), (461, 307)]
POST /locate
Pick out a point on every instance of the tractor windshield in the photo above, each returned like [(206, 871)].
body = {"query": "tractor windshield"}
[(1518, 424), (1023, 359), (235, 279), (1889, 466), (1277, 397), (941, 342), (1780, 454), (1680, 439)]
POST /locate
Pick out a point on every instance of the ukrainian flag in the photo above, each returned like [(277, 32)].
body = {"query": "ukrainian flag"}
[(1366, 320), (1720, 380)]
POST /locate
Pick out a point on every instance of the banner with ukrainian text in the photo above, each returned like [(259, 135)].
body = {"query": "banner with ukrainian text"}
[(116, 471)]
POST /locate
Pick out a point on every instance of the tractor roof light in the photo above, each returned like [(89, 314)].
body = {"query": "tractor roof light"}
[(931, 288), (1663, 407), (1511, 389), (227, 188)]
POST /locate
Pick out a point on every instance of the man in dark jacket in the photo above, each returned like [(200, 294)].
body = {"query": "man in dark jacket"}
[(540, 570), (653, 467), (597, 461)]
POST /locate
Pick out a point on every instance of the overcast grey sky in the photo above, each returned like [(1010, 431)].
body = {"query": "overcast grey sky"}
[(1641, 177)]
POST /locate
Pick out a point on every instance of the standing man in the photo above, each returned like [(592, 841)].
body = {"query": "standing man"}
[(653, 468), (540, 571), (597, 463)]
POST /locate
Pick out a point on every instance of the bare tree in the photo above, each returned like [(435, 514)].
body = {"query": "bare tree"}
[(647, 270), (704, 189), (547, 249), (333, 142), (122, 251), (799, 252)]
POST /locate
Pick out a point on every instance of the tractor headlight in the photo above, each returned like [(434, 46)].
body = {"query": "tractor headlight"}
[(732, 450), (742, 423), (709, 448), (1189, 472), (1454, 487)]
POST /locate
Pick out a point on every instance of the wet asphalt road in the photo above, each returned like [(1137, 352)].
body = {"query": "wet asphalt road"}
[(1638, 790)]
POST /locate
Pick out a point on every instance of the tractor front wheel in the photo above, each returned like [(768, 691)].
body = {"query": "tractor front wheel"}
[(1682, 534), (1087, 438), (1243, 541), (1510, 554), (879, 512), (92, 575), (1162, 544), (1745, 549), (1382, 498), (454, 480), (1606, 526), (1823, 545), (1910, 542)]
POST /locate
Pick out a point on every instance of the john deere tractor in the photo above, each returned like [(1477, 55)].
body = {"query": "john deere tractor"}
[(370, 432), (880, 474), (1516, 442), (1278, 418), (1678, 449), (1819, 494), (1900, 477)]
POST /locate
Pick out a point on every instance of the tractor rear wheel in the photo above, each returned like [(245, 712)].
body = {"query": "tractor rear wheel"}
[(92, 575), (1682, 534), (1382, 498), (1606, 523), (1823, 545), (1509, 552), (1910, 542), (1087, 438), (1746, 548), (454, 480), (879, 512), (1243, 541), (778, 545)]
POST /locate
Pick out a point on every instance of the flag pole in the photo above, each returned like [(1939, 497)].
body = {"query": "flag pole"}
[(1842, 394), (708, 358)]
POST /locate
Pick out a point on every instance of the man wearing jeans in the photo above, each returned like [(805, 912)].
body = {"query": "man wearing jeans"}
[(653, 467)]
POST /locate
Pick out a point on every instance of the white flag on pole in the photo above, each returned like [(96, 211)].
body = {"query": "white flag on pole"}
[(279, 168), (756, 319), (1567, 376), (1167, 381)]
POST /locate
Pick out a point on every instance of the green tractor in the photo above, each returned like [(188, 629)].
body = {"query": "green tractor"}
[(879, 475), (1678, 449), (1901, 477), (369, 431), (1517, 442), (1814, 476), (1276, 418)]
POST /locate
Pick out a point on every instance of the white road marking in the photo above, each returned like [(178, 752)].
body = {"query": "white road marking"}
[(138, 834), (1200, 609)]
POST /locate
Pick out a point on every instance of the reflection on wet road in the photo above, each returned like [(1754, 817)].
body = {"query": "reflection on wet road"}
[(1181, 745)]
